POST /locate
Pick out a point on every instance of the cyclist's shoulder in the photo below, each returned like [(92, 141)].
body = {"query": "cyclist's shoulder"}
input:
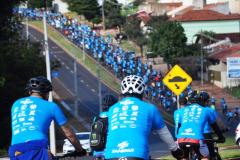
[(178, 111), (23, 101)]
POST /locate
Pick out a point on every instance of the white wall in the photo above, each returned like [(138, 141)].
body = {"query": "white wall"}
[(62, 6), (221, 67), (234, 6)]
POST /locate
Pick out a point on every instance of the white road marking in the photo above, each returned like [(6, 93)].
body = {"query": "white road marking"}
[(67, 67), (64, 86)]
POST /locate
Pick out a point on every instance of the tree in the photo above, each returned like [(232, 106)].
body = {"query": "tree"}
[(168, 41), (112, 12), (90, 9), (156, 21), (136, 3), (134, 32), (39, 3), (18, 62)]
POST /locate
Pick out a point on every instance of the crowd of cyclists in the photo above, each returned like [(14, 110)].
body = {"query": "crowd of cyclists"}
[(130, 119), (113, 57)]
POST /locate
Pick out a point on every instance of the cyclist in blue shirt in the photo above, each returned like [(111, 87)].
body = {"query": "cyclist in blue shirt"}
[(31, 117), (191, 122), (107, 101), (130, 122), (204, 99)]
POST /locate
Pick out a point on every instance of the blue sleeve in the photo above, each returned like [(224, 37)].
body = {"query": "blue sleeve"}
[(158, 122), (58, 115), (211, 116)]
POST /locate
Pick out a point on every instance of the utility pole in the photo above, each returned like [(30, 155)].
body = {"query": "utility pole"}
[(47, 59), (103, 16), (84, 54), (75, 88), (99, 87), (27, 27), (201, 59)]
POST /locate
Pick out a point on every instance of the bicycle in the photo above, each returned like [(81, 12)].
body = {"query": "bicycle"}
[(72, 156), (192, 150), (216, 150)]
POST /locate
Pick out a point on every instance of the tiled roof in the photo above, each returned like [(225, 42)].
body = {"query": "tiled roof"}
[(233, 51), (204, 15)]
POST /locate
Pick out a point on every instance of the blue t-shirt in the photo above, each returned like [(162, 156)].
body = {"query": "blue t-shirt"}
[(31, 118), (177, 120), (193, 119), (207, 128), (130, 123)]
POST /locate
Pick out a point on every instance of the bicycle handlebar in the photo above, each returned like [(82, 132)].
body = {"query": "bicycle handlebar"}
[(223, 131), (74, 154)]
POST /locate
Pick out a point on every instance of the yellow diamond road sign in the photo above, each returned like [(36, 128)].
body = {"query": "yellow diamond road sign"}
[(177, 80)]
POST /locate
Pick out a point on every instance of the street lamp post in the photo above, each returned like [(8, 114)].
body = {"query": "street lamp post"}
[(84, 54), (75, 88), (47, 60), (103, 16), (48, 68), (201, 60), (27, 27), (99, 87)]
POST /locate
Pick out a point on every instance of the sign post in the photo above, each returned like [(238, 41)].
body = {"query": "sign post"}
[(177, 81)]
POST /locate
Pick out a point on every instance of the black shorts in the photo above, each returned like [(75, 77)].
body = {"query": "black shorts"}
[(188, 146)]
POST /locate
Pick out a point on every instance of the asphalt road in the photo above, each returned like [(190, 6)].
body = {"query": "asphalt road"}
[(87, 90)]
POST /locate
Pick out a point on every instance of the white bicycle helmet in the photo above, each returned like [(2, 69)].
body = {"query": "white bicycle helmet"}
[(132, 84)]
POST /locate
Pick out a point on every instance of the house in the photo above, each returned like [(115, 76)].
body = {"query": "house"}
[(218, 66), (158, 9), (195, 21), (60, 6), (196, 16)]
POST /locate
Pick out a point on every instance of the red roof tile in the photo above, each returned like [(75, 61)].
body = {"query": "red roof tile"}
[(204, 15), (233, 51)]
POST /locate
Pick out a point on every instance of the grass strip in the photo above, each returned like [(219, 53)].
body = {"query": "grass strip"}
[(225, 154), (89, 63)]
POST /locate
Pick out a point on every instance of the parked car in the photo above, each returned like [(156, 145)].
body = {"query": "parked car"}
[(84, 140), (237, 137)]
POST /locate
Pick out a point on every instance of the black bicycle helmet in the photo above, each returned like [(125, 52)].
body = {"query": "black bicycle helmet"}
[(203, 98), (39, 84), (107, 101), (193, 97)]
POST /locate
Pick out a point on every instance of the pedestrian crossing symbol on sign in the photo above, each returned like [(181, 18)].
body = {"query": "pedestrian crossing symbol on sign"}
[(177, 80)]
